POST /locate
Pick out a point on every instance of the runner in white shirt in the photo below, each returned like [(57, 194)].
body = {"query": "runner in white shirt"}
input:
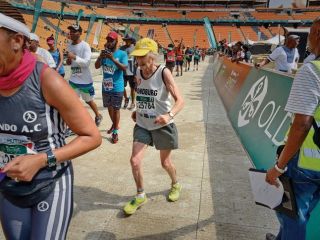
[(79, 57), (43, 53)]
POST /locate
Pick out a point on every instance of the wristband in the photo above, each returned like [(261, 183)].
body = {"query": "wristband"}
[(171, 115), (279, 169)]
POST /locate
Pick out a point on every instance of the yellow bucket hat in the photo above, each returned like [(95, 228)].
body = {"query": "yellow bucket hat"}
[(144, 46)]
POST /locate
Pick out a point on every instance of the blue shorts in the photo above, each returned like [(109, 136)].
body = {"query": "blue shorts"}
[(112, 99), (179, 63)]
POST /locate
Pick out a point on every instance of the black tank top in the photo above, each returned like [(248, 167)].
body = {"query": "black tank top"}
[(28, 123)]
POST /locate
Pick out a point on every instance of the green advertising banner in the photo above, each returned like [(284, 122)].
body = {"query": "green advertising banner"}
[(258, 115), (256, 110)]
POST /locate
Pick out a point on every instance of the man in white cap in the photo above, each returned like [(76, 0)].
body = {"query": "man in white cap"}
[(285, 57), (45, 54)]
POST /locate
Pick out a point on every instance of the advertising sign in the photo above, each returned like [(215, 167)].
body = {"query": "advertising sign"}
[(258, 115), (229, 80), (287, 3)]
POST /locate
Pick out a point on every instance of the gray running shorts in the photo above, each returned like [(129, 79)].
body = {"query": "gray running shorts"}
[(112, 99), (165, 138)]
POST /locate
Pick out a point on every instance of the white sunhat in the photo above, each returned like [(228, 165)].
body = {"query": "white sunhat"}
[(34, 37), (14, 25)]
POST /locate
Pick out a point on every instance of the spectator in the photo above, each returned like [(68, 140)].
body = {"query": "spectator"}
[(300, 158), (285, 57)]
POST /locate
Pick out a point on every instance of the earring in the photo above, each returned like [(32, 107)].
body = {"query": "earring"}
[(16, 47)]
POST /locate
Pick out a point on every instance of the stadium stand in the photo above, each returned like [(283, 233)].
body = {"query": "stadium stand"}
[(118, 11)]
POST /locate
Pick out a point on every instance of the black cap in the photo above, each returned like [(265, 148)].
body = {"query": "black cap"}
[(75, 27), (128, 37)]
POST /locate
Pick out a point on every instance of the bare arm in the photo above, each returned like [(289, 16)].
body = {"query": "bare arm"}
[(61, 60), (264, 62), (175, 93), (60, 95), (297, 134)]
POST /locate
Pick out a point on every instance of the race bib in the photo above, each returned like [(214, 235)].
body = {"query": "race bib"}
[(9, 152), (76, 71), (171, 58), (108, 84), (146, 106)]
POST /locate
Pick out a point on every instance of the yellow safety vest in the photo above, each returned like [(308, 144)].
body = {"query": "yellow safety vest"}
[(309, 157)]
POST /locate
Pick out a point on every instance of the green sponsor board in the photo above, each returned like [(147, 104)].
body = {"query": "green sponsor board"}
[(258, 115), (261, 123)]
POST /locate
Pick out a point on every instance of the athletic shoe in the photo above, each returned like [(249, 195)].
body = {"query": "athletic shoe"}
[(132, 107), (126, 102), (115, 138), (174, 193), (132, 206), (98, 120)]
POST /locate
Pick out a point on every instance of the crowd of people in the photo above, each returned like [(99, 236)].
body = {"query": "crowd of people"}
[(181, 56), (32, 83)]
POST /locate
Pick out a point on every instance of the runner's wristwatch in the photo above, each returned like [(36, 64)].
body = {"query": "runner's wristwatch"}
[(171, 114), (51, 160)]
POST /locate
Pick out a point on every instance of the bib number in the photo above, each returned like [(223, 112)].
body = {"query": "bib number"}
[(9, 152), (146, 106), (108, 84), (76, 71)]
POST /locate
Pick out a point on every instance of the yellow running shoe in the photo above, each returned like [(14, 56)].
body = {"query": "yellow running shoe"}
[(174, 193), (132, 206)]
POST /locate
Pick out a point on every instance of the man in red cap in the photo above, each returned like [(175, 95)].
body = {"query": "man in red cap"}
[(114, 62), (57, 55)]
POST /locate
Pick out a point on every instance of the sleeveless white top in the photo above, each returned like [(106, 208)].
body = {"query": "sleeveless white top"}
[(153, 99)]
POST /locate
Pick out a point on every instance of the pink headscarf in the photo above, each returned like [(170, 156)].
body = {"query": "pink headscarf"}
[(20, 74)]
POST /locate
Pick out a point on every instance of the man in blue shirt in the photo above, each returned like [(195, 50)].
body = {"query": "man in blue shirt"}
[(114, 62)]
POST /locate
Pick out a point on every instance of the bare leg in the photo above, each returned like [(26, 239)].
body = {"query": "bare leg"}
[(133, 96), (137, 155), (110, 111), (116, 118), (165, 156), (94, 107)]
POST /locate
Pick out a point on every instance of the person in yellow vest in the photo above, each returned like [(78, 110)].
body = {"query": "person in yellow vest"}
[(300, 158)]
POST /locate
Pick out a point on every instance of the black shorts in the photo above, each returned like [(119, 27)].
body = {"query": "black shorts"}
[(196, 61), (170, 64), (179, 63), (131, 81)]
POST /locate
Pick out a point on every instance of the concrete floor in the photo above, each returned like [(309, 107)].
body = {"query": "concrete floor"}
[(216, 201)]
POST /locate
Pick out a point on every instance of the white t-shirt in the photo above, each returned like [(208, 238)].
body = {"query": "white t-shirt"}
[(304, 96), (280, 57), (310, 58), (47, 57), (80, 72)]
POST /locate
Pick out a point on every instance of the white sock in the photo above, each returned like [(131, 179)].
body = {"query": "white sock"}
[(141, 195)]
